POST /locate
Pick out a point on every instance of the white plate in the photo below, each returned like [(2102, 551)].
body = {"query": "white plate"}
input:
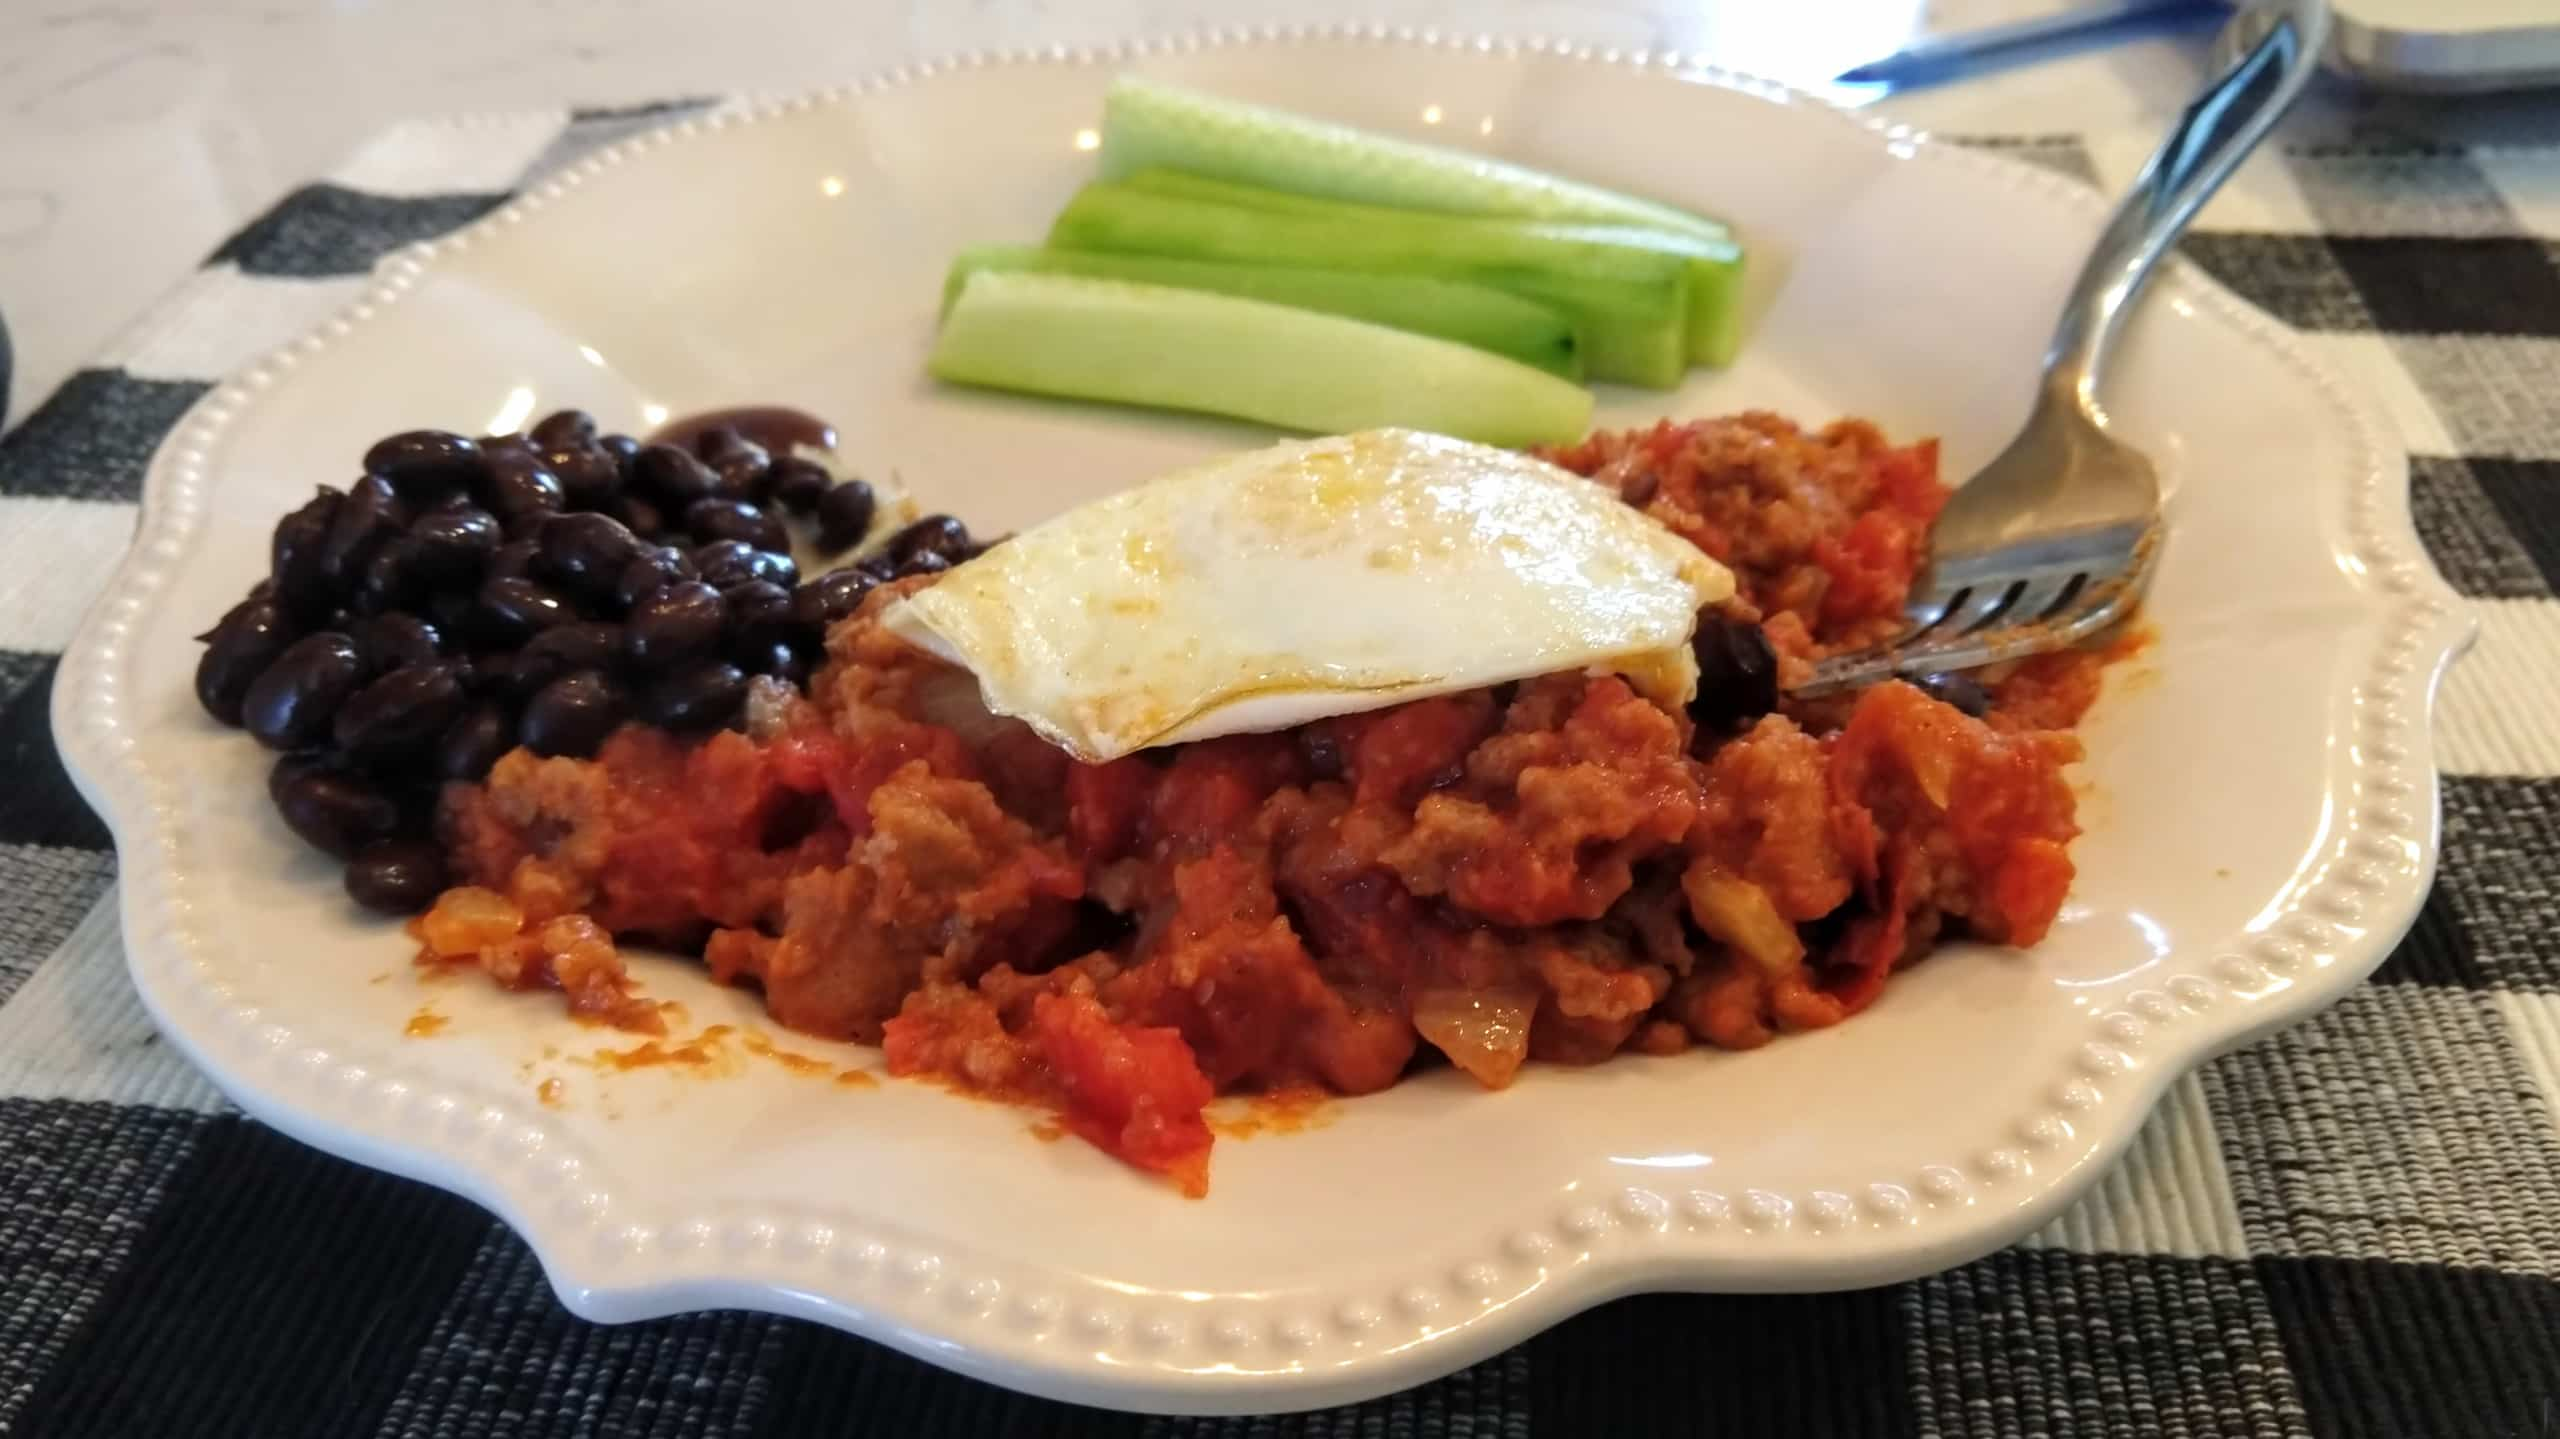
[(2261, 804), (2448, 46)]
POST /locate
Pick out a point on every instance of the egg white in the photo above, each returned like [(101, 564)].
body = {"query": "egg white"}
[(1314, 578)]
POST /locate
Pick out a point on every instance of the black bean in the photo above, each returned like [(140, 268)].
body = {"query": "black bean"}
[(775, 565), (880, 568), (727, 563), (695, 696), (1320, 745), (494, 444), (781, 659), (291, 704), (586, 645), (519, 489), (294, 552), (512, 611), (370, 514), (724, 563), (713, 441), (395, 578), (586, 553), (396, 876), (933, 535), (672, 476), (293, 766), (513, 560), (450, 611), (334, 810), (924, 562), (830, 597), (399, 713), (676, 622), (240, 649), (799, 483), (475, 742), (844, 515), (649, 571), (745, 468), (1961, 690), (422, 461), (637, 515), (491, 675), (1737, 673), (396, 641), (573, 714), (564, 429), (455, 542), (473, 671), (624, 450), (725, 519), (588, 476), (759, 614), (741, 480)]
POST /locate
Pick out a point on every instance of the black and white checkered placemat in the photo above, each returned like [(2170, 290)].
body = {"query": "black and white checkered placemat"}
[(2351, 1228)]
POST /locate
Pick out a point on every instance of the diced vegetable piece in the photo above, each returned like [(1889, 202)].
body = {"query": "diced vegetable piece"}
[(1132, 1091), (1629, 303), (1740, 913), (1484, 1032), (1094, 339), (1147, 124), (1486, 318), (1715, 262)]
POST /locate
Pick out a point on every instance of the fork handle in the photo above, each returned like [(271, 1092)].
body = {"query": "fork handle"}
[(2215, 132)]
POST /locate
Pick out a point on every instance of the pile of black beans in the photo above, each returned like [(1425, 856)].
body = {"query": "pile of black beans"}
[(466, 596)]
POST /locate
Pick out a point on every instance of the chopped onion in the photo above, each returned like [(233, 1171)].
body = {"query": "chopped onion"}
[(1483, 1031), (1741, 914)]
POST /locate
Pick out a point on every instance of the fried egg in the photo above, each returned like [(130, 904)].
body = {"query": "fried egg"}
[(1314, 578)]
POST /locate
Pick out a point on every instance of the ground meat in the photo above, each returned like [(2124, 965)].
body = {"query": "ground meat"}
[(1558, 870), (1131, 1090), (651, 838), (1595, 996), (1765, 816), (1219, 963), (1823, 529), (1943, 816), (943, 885), (1549, 821)]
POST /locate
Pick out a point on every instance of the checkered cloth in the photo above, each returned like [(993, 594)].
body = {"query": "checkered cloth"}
[(2350, 1228)]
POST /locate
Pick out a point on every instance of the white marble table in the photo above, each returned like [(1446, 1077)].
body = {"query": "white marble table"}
[(135, 134), (139, 132)]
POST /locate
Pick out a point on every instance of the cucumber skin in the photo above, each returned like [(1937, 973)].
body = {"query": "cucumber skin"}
[(1715, 263), (1478, 315), (1152, 345), (1147, 123), (1631, 305)]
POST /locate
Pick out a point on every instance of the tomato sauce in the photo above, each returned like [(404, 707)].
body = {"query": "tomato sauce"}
[(1554, 871)]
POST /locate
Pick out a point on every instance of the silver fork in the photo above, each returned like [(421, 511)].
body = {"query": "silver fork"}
[(2056, 538)]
